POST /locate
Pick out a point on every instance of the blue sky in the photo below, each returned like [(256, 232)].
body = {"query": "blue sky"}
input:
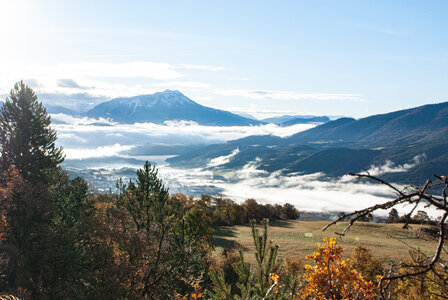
[(353, 58)]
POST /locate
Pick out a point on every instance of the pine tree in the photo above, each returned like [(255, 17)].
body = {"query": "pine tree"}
[(27, 144), (174, 235), (26, 139)]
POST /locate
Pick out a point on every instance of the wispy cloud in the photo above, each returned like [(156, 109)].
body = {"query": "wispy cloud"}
[(220, 160), (124, 69), (68, 83), (90, 91), (289, 95), (98, 78), (72, 137), (203, 67), (183, 85), (88, 69), (80, 102), (76, 121), (240, 78), (387, 30), (103, 151), (391, 167), (261, 113), (104, 79)]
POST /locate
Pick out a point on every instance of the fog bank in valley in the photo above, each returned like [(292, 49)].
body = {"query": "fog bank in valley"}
[(104, 146)]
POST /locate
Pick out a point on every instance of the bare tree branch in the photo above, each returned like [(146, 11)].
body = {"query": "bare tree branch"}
[(409, 195)]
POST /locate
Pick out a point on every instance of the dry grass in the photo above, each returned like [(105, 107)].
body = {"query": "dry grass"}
[(299, 238)]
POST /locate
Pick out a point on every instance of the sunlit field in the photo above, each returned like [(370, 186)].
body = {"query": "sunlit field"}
[(299, 238)]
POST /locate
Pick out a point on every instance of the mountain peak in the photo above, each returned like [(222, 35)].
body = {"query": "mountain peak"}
[(163, 106), (167, 98), (171, 92)]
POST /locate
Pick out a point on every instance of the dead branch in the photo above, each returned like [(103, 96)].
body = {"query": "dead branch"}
[(408, 195)]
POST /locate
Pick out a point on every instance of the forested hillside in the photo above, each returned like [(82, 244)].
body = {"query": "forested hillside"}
[(345, 145)]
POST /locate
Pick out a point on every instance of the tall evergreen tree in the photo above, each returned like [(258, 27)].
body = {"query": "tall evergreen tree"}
[(27, 144), (26, 138), (174, 235)]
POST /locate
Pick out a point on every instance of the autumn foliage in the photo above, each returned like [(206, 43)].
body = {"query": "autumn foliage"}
[(334, 278)]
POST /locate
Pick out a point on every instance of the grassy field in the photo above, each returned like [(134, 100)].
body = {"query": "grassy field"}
[(299, 238)]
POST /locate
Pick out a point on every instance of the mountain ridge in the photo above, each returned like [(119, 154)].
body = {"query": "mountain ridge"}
[(165, 106), (346, 145)]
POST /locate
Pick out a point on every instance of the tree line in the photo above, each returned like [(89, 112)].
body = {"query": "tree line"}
[(227, 212)]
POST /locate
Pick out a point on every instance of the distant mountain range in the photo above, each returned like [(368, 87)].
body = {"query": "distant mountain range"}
[(172, 105), (165, 106), (422, 124), (57, 109), (299, 120), (415, 140), (286, 118)]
